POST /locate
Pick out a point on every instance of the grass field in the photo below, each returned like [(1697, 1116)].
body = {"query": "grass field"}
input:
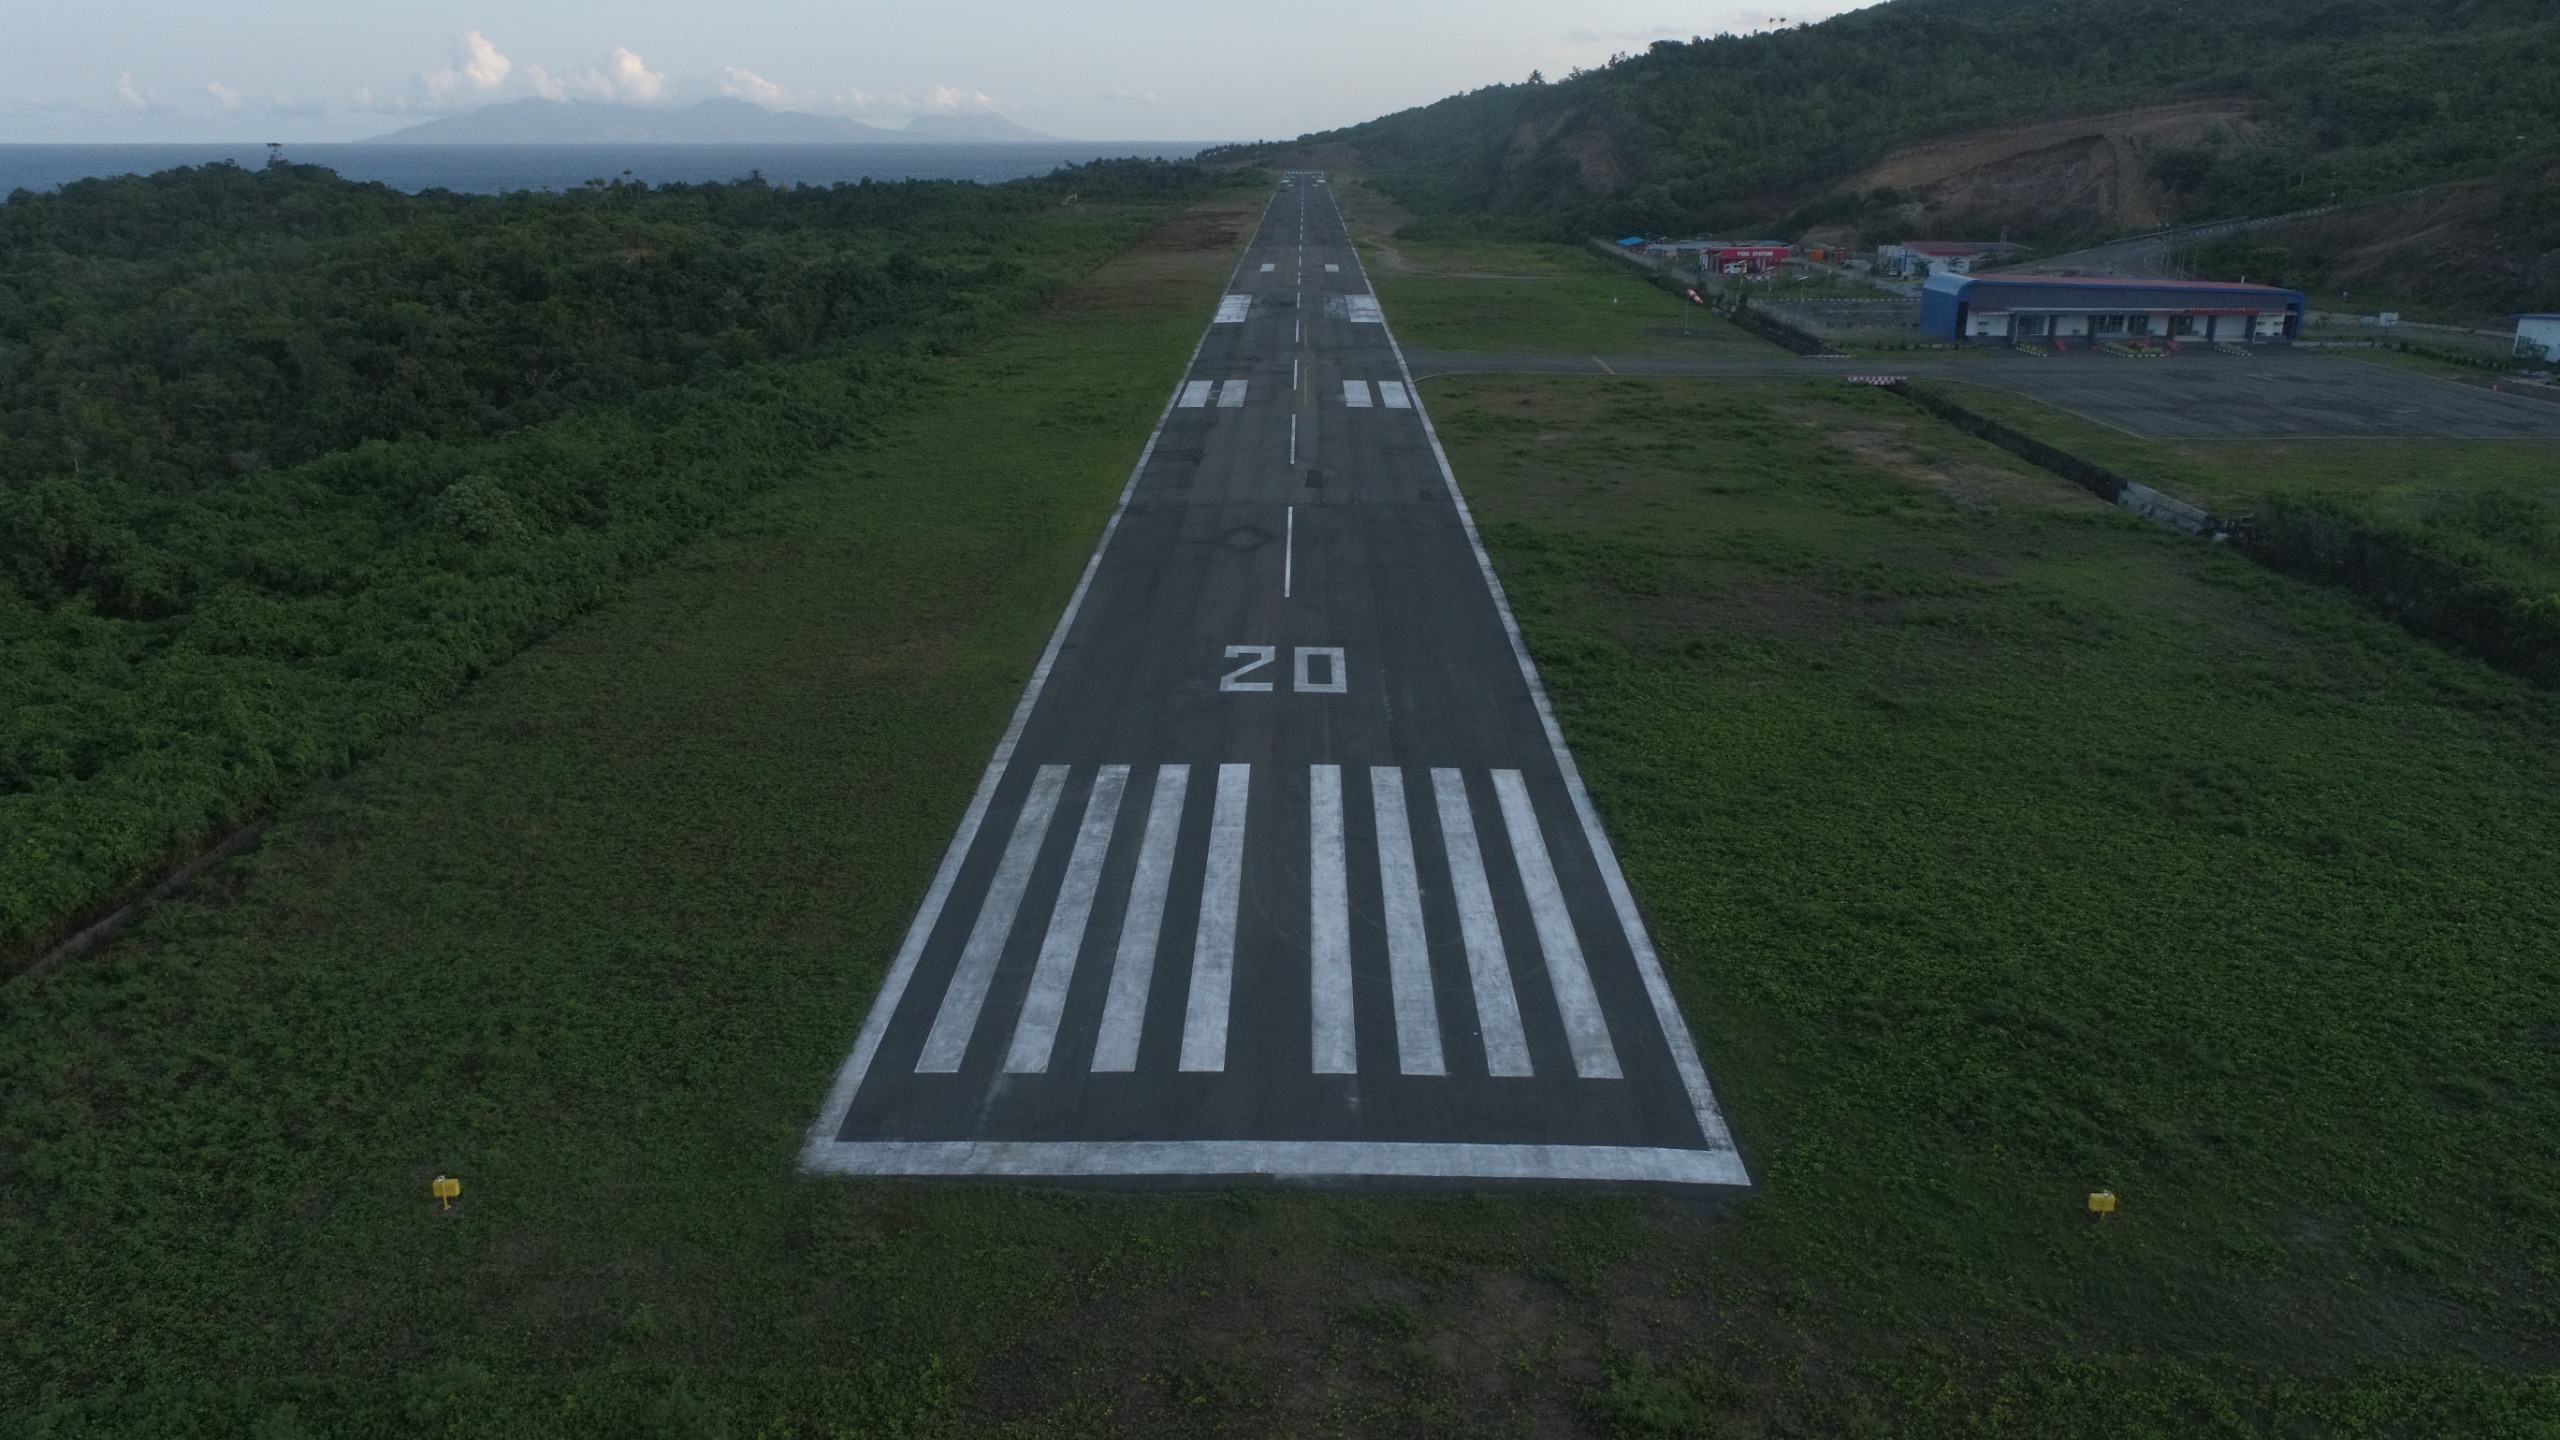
[(2002, 848)]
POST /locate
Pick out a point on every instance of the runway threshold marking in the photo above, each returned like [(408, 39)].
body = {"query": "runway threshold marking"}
[(1355, 394), (1213, 955), (1195, 395), (1234, 309), (1133, 967), (1036, 1033)]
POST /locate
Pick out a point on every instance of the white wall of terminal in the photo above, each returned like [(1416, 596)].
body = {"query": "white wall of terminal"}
[(2120, 324)]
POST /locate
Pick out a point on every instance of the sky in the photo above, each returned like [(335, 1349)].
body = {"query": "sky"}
[(322, 70)]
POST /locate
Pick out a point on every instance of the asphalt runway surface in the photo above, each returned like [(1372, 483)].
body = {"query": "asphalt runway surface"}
[(1282, 868), (2276, 394)]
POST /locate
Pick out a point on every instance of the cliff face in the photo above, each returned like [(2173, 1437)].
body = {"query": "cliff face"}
[(2093, 174)]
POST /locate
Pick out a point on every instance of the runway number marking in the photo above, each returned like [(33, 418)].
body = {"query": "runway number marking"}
[(1317, 670), (1336, 681), (1234, 679)]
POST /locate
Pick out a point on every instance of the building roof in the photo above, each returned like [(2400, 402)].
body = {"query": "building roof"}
[(2083, 291), (1957, 247)]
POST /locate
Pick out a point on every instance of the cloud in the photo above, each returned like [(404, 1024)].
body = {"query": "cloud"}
[(477, 65), (223, 95), (634, 79), (748, 85), (945, 100), (131, 94), (481, 73)]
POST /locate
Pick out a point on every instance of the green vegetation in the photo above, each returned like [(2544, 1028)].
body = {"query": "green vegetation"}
[(2470, 254), (284, 460), (2002, 847), (2348, 97), (2008, 848)]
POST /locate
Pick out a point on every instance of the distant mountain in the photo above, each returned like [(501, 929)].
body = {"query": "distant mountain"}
[(984, 128), (719, 121)]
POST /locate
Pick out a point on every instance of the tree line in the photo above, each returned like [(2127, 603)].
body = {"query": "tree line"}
[(285, 458)]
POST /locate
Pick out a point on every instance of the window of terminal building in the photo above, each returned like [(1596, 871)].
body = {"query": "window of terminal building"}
[(2106, 324), (2031, 324), (2182, 325), (2137, 324)]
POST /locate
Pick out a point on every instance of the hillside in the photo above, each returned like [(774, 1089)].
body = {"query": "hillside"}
[(2058, 121)]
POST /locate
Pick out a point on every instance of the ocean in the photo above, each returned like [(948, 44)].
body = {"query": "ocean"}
[(491, 169)]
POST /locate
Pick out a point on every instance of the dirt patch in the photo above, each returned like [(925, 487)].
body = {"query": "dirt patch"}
[(2088, 172)]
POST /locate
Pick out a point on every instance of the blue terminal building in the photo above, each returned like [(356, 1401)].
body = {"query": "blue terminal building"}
[(2076, 310)]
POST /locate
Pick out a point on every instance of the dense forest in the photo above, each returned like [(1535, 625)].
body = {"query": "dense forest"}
[(285, 458), (2344, 98)]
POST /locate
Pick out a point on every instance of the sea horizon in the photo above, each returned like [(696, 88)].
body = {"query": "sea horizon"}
[(498, 168)]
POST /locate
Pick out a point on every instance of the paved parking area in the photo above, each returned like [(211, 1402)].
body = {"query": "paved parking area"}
[(2272, 395)]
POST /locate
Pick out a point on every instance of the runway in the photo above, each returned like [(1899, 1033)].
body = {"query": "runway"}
[(1282, 868)]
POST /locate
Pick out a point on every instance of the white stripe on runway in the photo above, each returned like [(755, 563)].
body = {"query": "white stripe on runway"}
[(1231, 395), (1364, 310), (1133, 970), (1213, 954), (1195, 395), (1393, 393), (949, 1039), (1267, 267), (1036, 1032), (1408, 952), (1594, 1058), (1329, 925), (1355, 393), (1233, 309), (1506, 1049), (1333, 269)]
